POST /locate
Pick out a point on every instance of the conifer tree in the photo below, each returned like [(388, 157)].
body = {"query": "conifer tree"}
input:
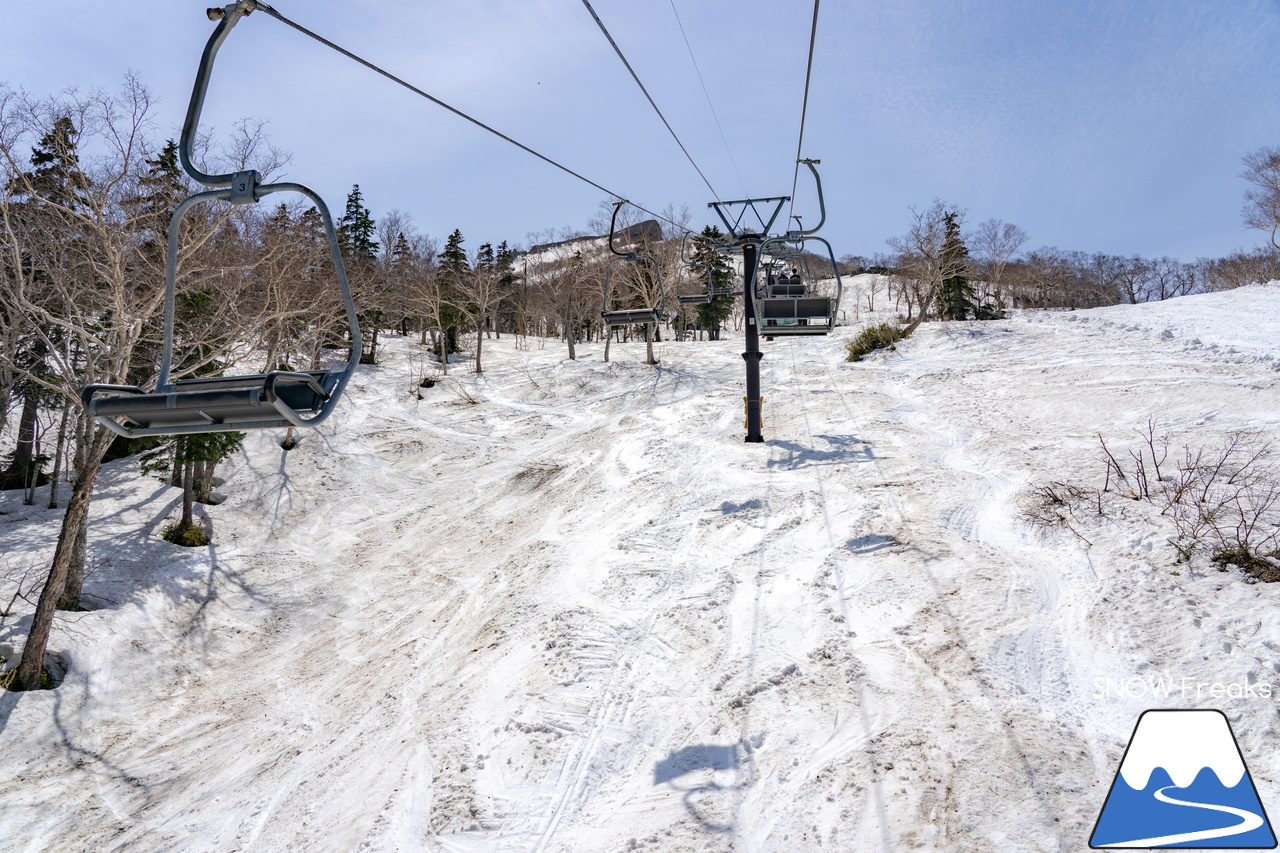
[(955, 296), (54, 181), (507, 281), (712, 314), (454, 267), (160, 191), (57, 177), (356, 229), (454, 258)]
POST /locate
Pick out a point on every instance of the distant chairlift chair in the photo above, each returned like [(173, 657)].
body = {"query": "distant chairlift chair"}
[(281, 398), (710, 292), (625, 317)]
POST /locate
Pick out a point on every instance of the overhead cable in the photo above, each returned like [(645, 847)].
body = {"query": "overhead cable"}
[(804, 108), (707, 94), (393, 78), (618, 51)]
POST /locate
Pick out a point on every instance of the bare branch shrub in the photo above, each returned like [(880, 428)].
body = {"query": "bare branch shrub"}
[(1056, 504), (1225, 496)]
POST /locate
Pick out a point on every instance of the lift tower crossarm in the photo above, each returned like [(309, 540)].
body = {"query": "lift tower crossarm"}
[(735, 228)]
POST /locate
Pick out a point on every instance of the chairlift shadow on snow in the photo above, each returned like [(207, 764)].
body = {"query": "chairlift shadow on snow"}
[(871, 543), (842, 450), (707, 760), (730, 508)]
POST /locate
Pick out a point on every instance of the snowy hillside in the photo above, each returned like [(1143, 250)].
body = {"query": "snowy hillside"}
[(580, 614)]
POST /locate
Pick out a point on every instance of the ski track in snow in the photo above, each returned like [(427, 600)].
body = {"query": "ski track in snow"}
[(581, 614)]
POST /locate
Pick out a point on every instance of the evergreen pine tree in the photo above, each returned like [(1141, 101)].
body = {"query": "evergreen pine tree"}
[(505, 260), (56, 175), (160, 191), (955, 296), (356, 229), (712, 314), (454, 257), (55, 179), (454, 266)]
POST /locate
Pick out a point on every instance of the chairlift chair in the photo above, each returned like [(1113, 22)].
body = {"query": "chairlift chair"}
[(799, 314), (628, 316), (280, 398), (792, 309), (711, 291), (693, 298), (796, 285)]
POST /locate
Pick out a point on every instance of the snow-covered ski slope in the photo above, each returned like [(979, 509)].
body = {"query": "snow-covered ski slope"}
[(580, 614)]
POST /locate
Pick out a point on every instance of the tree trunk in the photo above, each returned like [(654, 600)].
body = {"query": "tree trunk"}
[(70, 598), (58, 453), (915, 324), (18, 472), (479, 343), (608, 339), (31, 667), (175, 475), (204, 476), (442, 348), (188, 495), (648, 344)]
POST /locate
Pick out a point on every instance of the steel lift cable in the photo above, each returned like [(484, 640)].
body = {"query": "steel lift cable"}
[(258, 4), (618, 51), (707, 94), (804, 108)]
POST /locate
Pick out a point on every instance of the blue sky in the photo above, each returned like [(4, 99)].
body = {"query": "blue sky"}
[(1098, 126)]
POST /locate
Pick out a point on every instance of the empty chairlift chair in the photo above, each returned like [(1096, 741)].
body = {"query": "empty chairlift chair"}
[(281, 398), (710, 291), (615, 316)]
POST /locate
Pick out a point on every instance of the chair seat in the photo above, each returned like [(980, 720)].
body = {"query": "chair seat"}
[(277, 399), (810, 315), (626, 318), (786, 290)]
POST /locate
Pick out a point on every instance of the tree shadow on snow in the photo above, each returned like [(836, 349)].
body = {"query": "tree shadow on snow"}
[(196, 628), (91, 762)]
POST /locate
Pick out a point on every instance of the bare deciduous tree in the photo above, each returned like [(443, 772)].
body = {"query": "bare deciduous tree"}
[(992, 246), (1262, 199), (922, 265)]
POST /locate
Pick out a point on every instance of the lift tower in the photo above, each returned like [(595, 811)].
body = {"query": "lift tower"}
[(746, 239)]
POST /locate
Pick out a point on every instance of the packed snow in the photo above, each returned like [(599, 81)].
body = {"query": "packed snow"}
[(562, 606)]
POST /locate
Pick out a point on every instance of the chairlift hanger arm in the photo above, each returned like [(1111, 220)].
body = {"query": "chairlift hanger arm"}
[(822, 207), (227, 17), (613, 221)]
